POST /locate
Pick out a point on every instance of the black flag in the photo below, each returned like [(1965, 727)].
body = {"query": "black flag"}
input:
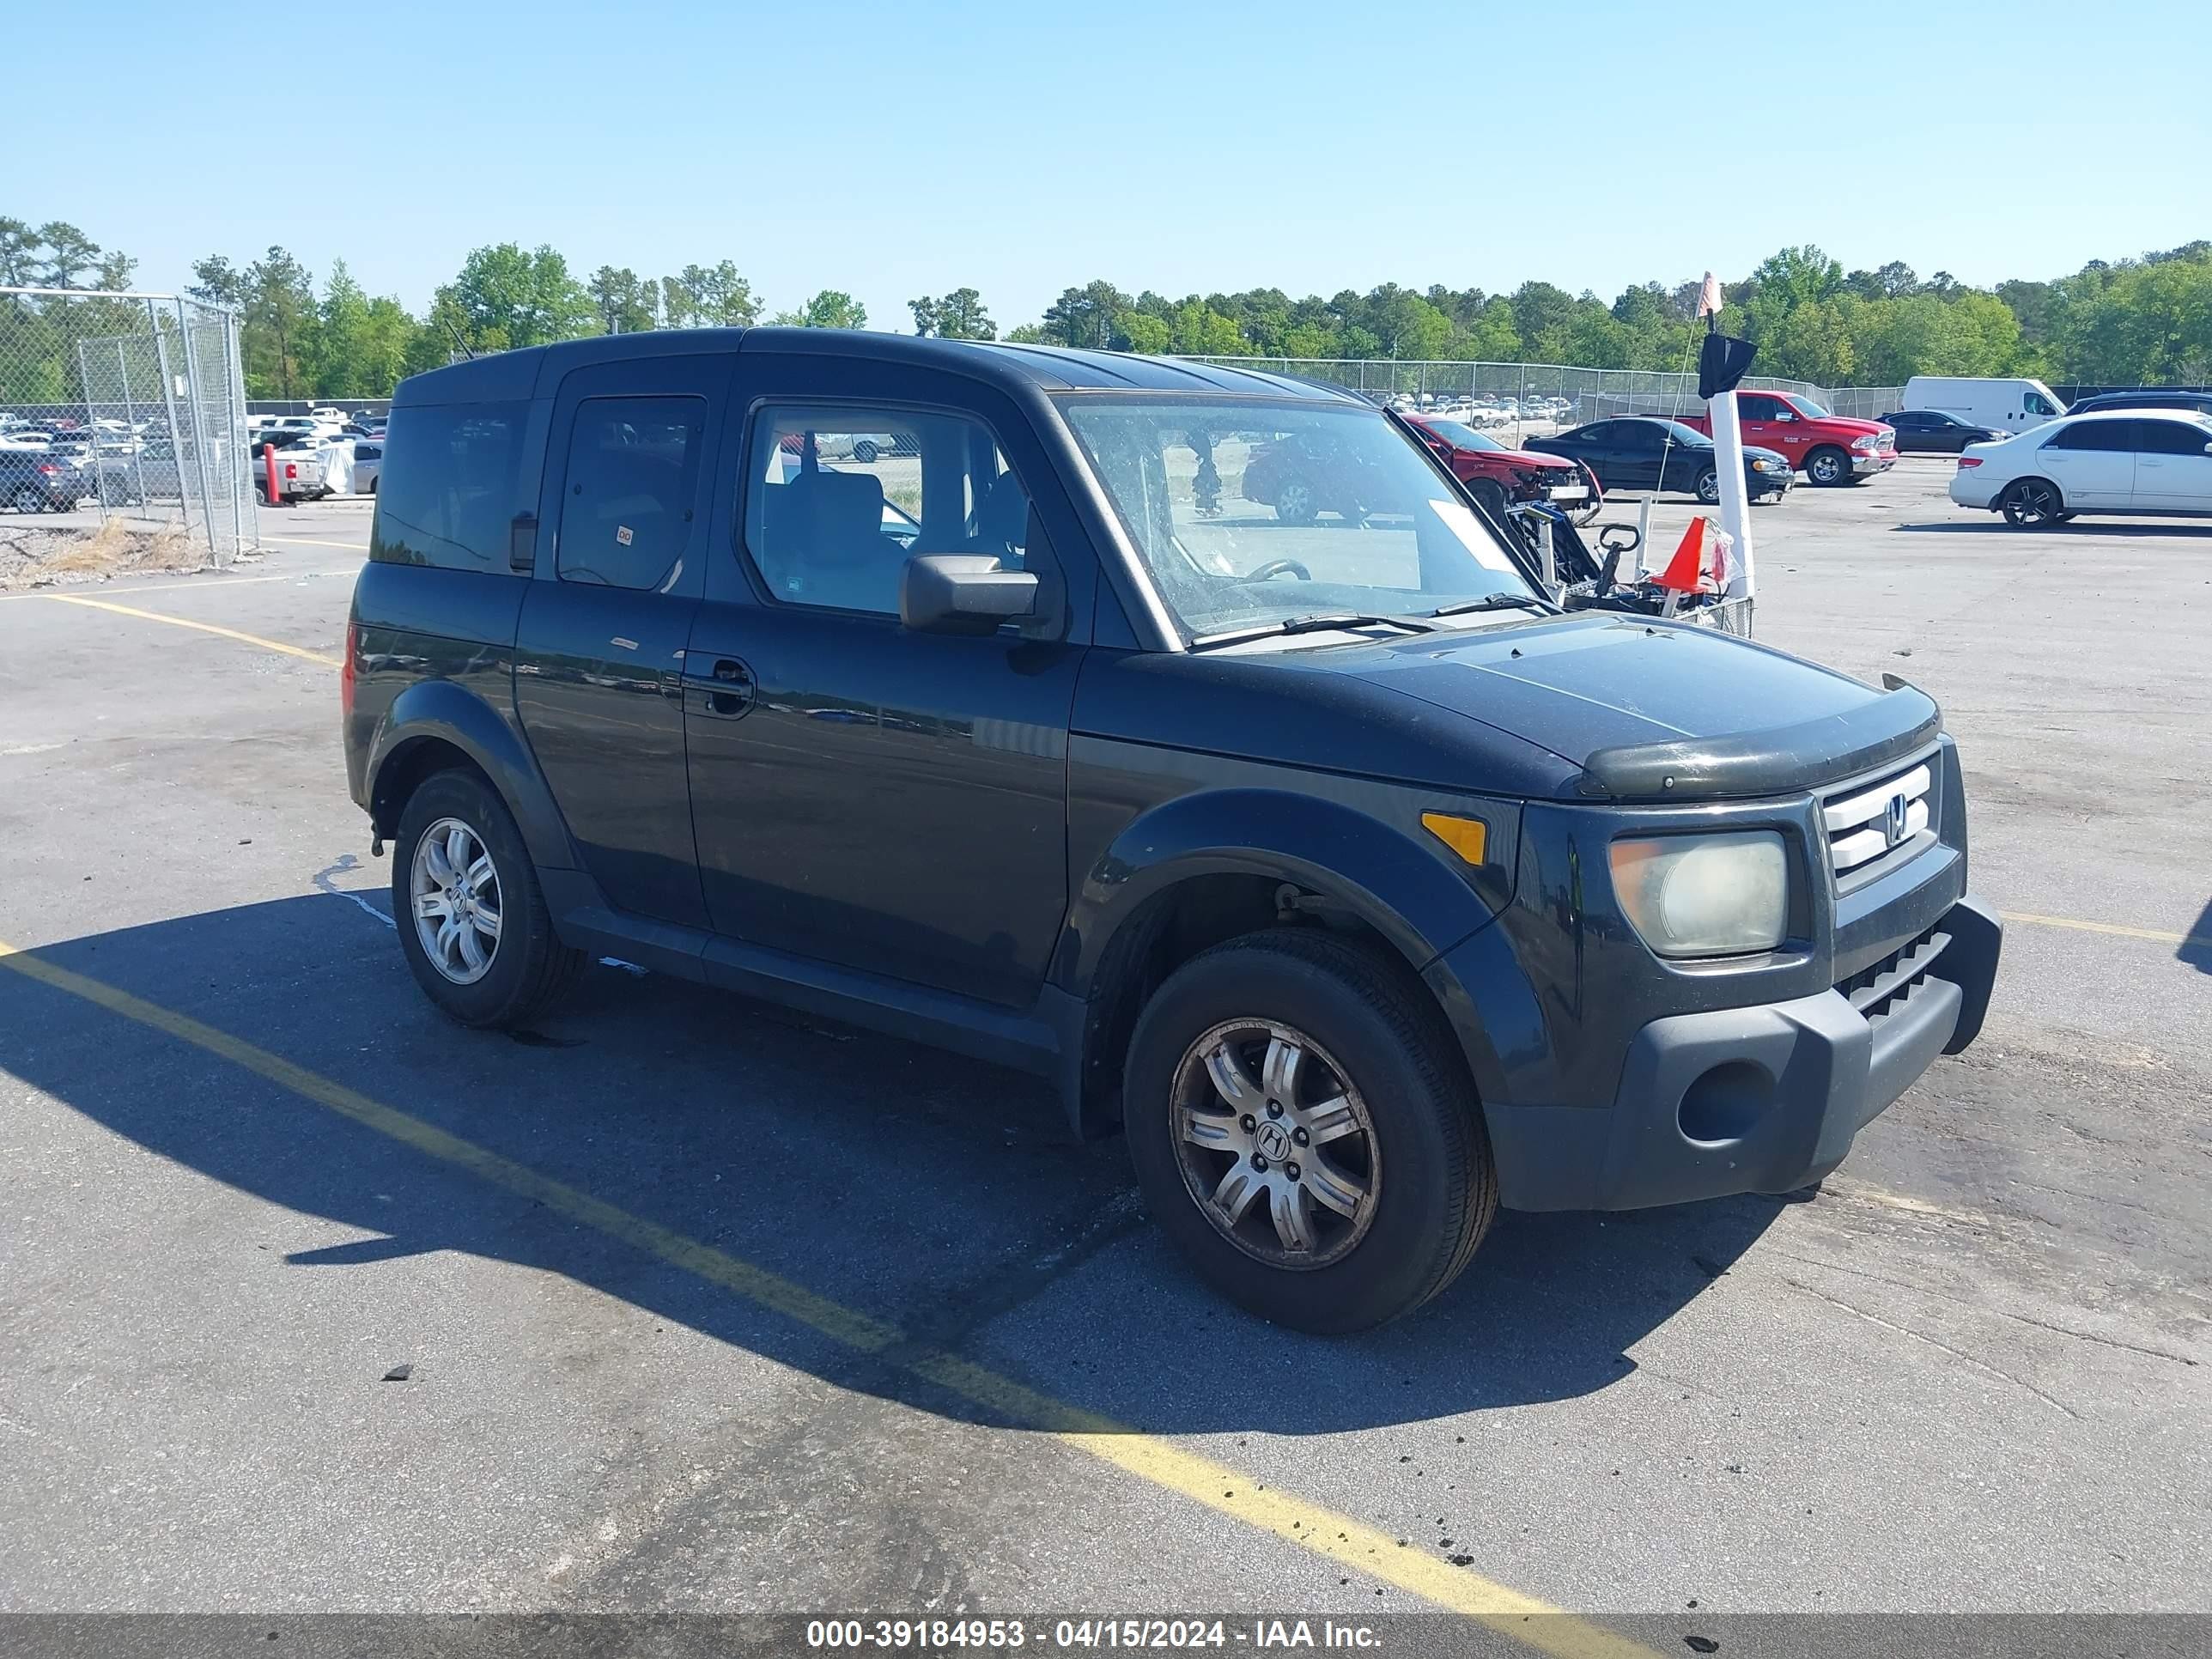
[(1722, 361)]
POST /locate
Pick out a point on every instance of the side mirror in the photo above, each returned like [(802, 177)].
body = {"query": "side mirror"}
[(962, 594)]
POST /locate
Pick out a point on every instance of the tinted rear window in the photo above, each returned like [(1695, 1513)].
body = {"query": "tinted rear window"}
[(451, 485)]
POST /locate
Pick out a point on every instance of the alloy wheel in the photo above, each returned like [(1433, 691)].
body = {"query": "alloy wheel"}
[(1827, 469), (1275, 1144), (2032, 503), (1295, 504), (456, 901)]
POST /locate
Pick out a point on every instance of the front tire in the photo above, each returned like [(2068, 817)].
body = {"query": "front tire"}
[(2033, 503), (1828, 468), (1492, 495), (472, 917), (1303, 1130)]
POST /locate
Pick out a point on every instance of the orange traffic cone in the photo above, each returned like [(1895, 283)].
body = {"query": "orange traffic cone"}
[(1700, 563)]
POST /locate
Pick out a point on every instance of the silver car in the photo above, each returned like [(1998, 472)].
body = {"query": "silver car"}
[(150, 473)]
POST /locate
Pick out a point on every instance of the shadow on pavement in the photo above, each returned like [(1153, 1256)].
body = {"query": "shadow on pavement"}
[(2197, 945), (922, 1189), (2129, 527)]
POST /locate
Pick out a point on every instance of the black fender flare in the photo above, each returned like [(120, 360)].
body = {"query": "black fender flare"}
[(443, 711), (1389, 875), (1405, 889)]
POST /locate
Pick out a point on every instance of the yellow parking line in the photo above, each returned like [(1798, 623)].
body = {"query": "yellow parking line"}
[(204, 627), (1231, 1493), (2156, 935), (214, 582)]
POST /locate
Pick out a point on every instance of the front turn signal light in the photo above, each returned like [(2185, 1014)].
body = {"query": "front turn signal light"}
[(1468, 837)]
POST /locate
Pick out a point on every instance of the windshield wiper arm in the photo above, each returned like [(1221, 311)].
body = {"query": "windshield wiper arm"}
[(1490, 602), (1319, 622)]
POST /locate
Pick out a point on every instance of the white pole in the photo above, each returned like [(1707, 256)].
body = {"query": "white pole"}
[(1728, 457)]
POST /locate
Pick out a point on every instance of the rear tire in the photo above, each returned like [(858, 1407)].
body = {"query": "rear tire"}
[(1295, 503), (1708, 487), (1828, 468), (2033, 503), (526, 968), (1390, 1182)]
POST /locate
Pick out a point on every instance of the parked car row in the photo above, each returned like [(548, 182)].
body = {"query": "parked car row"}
[(1485, 410)]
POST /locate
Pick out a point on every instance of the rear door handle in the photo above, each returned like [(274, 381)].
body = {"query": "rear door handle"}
[(726, 692)]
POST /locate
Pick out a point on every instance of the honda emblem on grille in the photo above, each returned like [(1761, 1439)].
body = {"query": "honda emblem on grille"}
[(1894, 819)]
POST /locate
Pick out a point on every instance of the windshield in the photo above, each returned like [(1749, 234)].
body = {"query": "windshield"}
[(1461, 437), (1808, 407), (1252, 515)]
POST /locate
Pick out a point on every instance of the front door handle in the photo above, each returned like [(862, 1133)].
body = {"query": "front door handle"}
[(728, 692)]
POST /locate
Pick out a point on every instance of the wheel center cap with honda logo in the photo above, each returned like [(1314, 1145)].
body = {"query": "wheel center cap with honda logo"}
[(1272, 1140)]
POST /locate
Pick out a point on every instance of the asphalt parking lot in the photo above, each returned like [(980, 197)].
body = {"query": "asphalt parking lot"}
[(709, 1308)]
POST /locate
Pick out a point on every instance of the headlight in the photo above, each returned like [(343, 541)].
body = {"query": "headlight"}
[(1766, 466), (1704, 895), (1869, 442)]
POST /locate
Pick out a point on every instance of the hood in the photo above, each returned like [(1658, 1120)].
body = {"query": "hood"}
[(1532, 458), (1760, 452), (1648, 709), (1854, 425)]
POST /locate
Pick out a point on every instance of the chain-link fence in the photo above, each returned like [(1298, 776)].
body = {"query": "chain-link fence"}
[(1514, 399), (128, 406), (1532, 399)]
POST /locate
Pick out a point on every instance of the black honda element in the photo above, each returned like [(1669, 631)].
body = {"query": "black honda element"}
[(958, 692)]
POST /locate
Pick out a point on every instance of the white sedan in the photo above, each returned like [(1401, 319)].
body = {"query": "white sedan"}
[(2151, 462)]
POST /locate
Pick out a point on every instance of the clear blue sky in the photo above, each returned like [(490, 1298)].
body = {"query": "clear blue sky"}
[(897, 149)]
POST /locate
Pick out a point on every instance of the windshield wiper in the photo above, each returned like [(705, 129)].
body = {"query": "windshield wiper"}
[(1319, 622), (1490, 602)]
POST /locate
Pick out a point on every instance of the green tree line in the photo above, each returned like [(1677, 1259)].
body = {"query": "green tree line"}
[(2145, 320)]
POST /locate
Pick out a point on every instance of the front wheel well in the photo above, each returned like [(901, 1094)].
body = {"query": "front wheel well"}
[(403, 772), (1172, 926)]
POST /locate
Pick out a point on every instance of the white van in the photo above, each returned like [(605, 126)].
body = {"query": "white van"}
[(2004, 405)]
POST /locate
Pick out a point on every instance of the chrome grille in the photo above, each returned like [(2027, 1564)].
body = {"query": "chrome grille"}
[(1867, 824)]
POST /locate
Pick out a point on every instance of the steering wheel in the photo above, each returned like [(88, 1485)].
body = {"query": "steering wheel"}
[(1275, 567)]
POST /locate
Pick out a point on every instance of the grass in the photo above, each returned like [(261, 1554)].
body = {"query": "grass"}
[(34, 556)]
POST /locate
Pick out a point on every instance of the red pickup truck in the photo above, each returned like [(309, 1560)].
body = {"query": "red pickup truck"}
[(1829, 449)]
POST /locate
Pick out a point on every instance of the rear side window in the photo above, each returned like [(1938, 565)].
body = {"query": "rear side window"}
[(2106, 435), (628, 508), (447, 494)]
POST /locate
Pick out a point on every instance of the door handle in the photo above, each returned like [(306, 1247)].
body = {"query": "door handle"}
[(728, 692)]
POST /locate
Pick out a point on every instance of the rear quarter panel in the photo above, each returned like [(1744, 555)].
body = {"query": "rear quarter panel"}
[(433, 659)]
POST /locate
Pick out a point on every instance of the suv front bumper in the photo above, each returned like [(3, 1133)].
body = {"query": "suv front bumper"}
[(1760, 1099)]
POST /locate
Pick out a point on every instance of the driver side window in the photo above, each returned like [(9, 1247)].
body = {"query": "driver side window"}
[(839, 497)]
